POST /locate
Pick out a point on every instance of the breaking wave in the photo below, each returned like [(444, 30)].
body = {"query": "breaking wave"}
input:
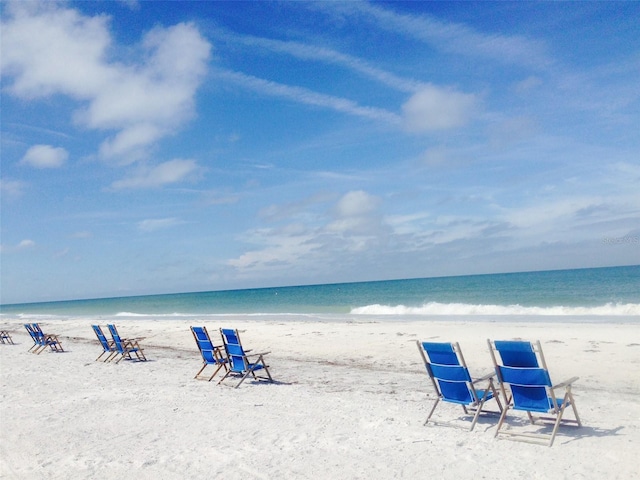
[(434, 308)]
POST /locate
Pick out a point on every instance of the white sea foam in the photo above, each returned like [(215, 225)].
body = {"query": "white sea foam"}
[(434, 308)]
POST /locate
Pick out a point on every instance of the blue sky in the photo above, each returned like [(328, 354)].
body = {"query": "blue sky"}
[(156, 147)]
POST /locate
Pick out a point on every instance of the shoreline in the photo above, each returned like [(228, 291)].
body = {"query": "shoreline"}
[(349, 401)]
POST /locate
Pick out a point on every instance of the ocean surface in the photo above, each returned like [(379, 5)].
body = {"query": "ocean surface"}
[(613, 291)]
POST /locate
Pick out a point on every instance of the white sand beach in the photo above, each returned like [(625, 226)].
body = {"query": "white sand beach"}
[(349, 402)]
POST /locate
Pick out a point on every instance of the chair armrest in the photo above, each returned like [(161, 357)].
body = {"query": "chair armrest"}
[(130, 342), (566, 383), (486, 377), (256, 354)]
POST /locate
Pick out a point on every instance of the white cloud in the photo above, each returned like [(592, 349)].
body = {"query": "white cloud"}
[(48, 49), (11, 188), (45, 156), (166, 173), (313, 240), (356, 203), (152, 225), (327, 55), (308, 97), (23, 245), (26, 244), (454, 37), (435, 108)]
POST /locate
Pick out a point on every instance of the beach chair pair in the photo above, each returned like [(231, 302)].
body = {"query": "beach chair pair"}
[(230, 356), (522, 378), (42, 340), (118, 346)]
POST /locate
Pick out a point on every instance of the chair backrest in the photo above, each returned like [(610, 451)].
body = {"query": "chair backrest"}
[(103, 340), (116, 337), (448, 371), (38, 334), (515, 353), (32, 333), (236, 354), (205, 345), (522, 367)]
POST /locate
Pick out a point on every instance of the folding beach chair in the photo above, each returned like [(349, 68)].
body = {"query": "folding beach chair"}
[(126, 346), (5, 337), (530, 389), (211, 354), (239, 364), (107, 346), (41, 340), (452, 382)]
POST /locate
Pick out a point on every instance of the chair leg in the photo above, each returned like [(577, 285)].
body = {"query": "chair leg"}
[(477, 415), (244, 377), (502, 418), (479, 409), (215, 372), (225, 376), (575, 410), (531, 419), (435, 404), (200, 371), (557, 424)]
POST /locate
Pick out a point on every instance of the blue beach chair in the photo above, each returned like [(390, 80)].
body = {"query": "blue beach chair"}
[(239, 364), (107, 346), (531, 390), (41, 340), (125, 347), (452, 382), (211, 354)]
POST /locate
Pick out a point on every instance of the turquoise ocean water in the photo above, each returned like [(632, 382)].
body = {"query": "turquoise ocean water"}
[(613, 291)]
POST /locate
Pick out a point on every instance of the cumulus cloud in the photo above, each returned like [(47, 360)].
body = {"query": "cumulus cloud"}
[(165, 173), (45, 156), (49, 49), (435, 108), (356, 203)]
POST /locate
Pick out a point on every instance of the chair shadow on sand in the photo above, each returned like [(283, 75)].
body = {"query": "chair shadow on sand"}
[(567, 433)]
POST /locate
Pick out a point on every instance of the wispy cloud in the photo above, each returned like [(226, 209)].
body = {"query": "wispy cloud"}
[(326, 55), (166, 173), (11, 188), (307, 97), (450, 37), (151, 225)]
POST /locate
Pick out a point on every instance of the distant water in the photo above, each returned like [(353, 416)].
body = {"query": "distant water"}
[(593, 291)]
